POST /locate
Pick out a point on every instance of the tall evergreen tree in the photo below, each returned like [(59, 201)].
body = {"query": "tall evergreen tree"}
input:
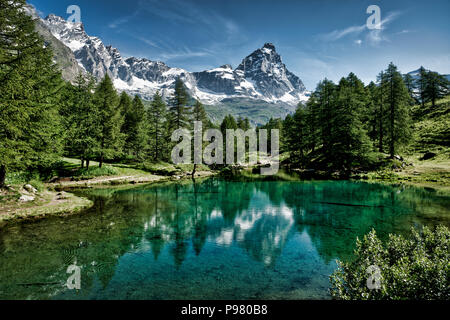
[(410, 85), (30, 89), (157, 128), (179, 112), (381, 114), (420, 85), (81, 118), (199, 114), (436, 86), (397, 102), (350, 143), (134, 126), (296, 130), (111, 140), (326, 98), (243, 123)]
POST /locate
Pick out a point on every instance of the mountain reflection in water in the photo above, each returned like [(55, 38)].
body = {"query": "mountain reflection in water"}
[(209, 240)]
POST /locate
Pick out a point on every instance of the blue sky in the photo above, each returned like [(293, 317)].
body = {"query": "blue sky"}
[(316, 38)]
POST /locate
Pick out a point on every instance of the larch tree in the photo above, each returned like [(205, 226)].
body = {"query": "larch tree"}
[(398, 112), (110, 139), (156, 116), (30, 90)]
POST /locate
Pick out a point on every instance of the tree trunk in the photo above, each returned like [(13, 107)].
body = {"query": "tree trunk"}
[(381, 124), (87, 164), (392, 142), (194, 171), (2, 175), (82, 162), (101, 161)]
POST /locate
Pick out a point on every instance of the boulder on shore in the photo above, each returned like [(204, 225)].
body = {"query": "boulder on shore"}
[(25, 198), (30, 188)]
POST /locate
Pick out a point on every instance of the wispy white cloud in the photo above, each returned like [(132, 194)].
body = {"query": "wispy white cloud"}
[(374, 36), (338, 34), (222, 30), (123, 20), (148, 42), (183, 53)]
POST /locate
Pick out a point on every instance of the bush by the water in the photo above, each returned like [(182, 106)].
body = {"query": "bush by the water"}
[(413, 268), (85, 174)]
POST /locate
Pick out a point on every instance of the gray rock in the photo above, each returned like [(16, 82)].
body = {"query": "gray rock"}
[(30, 188), (25, 198)]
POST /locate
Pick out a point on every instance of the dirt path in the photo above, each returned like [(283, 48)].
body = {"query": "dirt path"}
[(120, 180)]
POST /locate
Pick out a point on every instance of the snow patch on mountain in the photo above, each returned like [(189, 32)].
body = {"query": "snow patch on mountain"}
[(262, 75)]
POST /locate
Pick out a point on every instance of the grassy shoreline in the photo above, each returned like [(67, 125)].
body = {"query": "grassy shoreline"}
[(55, 199)]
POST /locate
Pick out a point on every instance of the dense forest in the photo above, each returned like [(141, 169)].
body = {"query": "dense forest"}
[(42, 117)]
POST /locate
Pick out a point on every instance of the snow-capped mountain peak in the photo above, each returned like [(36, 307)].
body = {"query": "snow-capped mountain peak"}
[(261, 76)]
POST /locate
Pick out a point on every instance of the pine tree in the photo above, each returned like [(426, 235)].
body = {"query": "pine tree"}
[(134, 126), (397, 102), (350, 142), (228, 123), (295, 131), (157, 128), (81, 118), (199, 114), (110, 139), (420, 85), (411, 86), (381, 114), (326, 99), (436, 86), (30, 90), (179, 118)]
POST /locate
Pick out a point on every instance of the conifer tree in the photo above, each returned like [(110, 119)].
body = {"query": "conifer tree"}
[(381, 114), (410, 85), (30, 89), (436, 86), (157, 128), (110, 139), (81, 118), (179, 112), (326, 98), (134, 126), (199, 114), (420, 85), (296, 130), (350, 143), (397, 102)]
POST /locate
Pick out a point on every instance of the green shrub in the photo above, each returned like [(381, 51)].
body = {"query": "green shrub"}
[(16, 178), (161, 169), (92, 172), (414, 268), (37, 184)]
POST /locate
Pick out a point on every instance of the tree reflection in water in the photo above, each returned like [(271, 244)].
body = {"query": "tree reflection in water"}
[(209, 239)]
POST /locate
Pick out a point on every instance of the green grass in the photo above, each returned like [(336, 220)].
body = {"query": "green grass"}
[(432, 127), (94, 172)]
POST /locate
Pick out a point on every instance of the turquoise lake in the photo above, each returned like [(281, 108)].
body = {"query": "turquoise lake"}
[(213, 239)]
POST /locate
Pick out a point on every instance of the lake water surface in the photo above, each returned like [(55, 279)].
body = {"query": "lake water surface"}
[(209, 240)]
